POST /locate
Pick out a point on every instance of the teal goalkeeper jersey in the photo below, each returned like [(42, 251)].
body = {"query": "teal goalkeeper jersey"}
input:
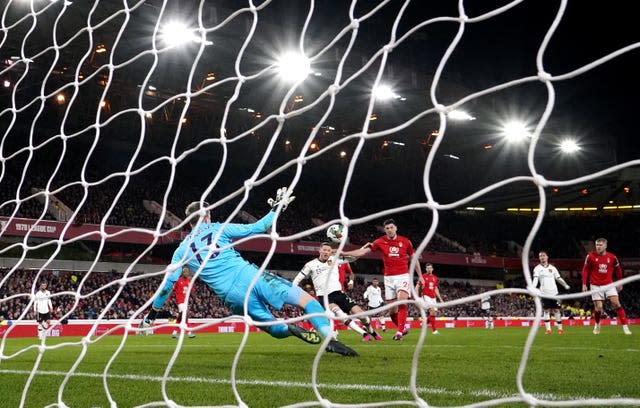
[(222, 268)]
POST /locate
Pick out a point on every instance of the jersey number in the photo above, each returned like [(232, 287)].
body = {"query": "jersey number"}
[(207, 239)]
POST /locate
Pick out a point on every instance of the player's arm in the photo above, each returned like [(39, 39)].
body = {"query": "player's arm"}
[(585, 273), (534, 283), (301, 275), (438, 294), (352, 277), (560, 280), (617, 270), (357, 253), (50, 305), (419, 284)]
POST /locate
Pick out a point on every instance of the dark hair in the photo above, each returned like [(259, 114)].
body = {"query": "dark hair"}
[(543, 252), (428, 264), (326, 243), (388, 221)]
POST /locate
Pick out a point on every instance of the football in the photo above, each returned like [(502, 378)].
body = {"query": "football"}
[(334, 233)]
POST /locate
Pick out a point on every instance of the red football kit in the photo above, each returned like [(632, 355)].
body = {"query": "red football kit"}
[(180, 288), (343, 271), (599, 269), (395, 254), (430, 285)]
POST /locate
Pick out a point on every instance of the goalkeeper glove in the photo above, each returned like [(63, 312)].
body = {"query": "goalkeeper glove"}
[(280, 197)]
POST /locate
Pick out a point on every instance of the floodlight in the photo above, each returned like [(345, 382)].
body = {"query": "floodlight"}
[(460, 115), (176, 33), (294, 67), (569, 146), (515, 131), (384, 92)]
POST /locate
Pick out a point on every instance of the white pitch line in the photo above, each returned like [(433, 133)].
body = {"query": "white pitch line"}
[(289, 384)]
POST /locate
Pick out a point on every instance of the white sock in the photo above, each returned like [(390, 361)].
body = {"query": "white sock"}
[(343, 316)]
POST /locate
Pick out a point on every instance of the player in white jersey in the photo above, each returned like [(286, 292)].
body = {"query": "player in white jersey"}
[(323, 271), (485, 305), (373, 296), (547, 275), (43, 307)]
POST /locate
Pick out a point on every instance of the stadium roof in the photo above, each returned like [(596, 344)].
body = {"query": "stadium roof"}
[(595, 107)]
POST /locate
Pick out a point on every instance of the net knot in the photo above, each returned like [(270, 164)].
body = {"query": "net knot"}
[(333, 89), (540, 180), (441, 108), (280, 118), (545, 76), (355, 24)]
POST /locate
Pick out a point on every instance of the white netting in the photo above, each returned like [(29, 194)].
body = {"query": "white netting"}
[(103, 107)]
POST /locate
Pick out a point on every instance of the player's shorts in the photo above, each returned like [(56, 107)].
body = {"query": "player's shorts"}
[(550, 303), (371, 307), (395, 283), (43, 317), (431, 302), (602, 294), (270, 290), (343, 301)]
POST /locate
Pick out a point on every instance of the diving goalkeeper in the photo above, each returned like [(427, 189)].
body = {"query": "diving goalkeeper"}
[(230, 275)]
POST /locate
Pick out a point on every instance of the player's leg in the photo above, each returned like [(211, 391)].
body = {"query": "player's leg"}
[(343, 304), (40, 322), (182, 308), (546, 316), (365, 320), (403, 294), (433, 312), (598, 298), (557, 314), (622, 316), (390, 296), (160, 299), (340, 314)]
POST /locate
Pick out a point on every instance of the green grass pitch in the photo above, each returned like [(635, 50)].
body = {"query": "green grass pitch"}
[(461, 366)]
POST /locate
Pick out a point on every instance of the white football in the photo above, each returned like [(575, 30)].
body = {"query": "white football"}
[(334, 233)]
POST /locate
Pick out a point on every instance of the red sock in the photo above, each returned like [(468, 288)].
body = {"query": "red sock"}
[(622, 316), (394, 319), (596, 315), (402, 317), (432, 322)]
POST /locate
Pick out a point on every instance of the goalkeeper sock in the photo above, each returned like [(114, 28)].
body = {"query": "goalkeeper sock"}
[(402, 317), (321, 323), (622, 316)]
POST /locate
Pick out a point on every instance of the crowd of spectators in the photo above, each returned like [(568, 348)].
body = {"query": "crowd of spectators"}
[(458, 231), (96, 296)]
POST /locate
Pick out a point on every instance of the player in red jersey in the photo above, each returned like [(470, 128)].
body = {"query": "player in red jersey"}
[(598, 270), (430, 292), (396, 256), (344, 271), (181, 289)]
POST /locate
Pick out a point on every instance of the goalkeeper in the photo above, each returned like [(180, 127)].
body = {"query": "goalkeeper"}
[(230, 275)]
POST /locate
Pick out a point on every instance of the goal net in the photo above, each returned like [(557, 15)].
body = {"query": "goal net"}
[(116, 114)]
